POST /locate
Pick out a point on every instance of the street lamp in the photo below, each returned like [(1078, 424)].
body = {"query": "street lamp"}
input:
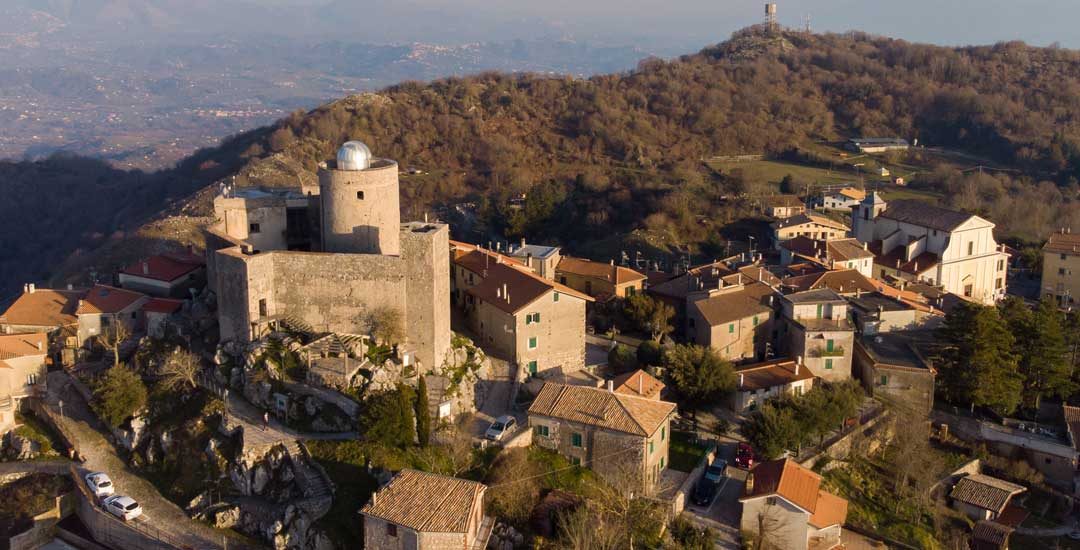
[(60, 403)]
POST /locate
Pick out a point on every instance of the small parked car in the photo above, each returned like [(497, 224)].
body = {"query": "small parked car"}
[(704, 491), (502, 426), (744, 456), (100, 484), (123, 507), (716, 471)]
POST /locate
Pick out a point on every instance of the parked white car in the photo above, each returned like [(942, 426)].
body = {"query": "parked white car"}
[(500, 427), (100, 484), (123, 507)]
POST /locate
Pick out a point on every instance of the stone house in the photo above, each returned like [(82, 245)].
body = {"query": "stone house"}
[(170, 275), (544, 260), (842, 199), (421, 511), (534, 322), (846, 253), (22, 372), (982, 497), (736, 320), (623, 438), (599, 280), (158, 313), (639, 383), (1061, 268), (103, 306), (819, 332), (788, 500), (876, 312), (783, 206), (808, 225), (894, 367), (49, 311), (917, 241), (762, 381), (700, 281)]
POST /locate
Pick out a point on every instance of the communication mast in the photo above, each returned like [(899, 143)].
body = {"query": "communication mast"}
[(807, 23), (770, 16)]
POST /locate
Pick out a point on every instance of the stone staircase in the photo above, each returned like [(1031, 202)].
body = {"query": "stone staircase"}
[(313, 483)]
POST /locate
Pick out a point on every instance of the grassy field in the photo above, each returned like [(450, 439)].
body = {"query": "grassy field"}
[(684, 453)]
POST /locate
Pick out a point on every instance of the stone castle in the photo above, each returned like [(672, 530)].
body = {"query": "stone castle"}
[(326, 257)]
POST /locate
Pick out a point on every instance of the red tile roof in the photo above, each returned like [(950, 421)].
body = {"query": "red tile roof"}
[(787, 479), (44, 308), (1063, 243), (426, 502), (23, 345), (614, 274), (770, 374), (497, 272), (162, 305), (165, 267), (602, 408), (638, 383), (107, 299)]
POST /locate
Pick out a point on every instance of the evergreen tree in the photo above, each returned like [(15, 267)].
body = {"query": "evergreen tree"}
[(773, 430), (118, 395), (423, 414), (979, 367), (387, 417), (1044, 357), (699, 375)]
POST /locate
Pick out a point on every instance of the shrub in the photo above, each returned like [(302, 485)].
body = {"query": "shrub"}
[(118, 395), (622, 359)]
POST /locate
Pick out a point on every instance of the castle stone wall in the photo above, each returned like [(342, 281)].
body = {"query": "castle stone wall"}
[(426, 251)]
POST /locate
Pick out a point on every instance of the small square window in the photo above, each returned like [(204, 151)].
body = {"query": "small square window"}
[(731, 328), (254, 228), (555, 298), (360, 195), (532, 342), (391, 530), (575, 439), (541, 431), (575, 461)]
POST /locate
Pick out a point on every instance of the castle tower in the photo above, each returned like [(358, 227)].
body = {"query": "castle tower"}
[(863, 215), (361, 211)]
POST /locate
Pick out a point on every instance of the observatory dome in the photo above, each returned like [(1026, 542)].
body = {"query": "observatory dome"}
[(354, 155)]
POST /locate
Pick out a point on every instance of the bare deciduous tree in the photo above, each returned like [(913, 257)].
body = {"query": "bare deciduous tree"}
[(114, 336), (181, 370), (387, 325)]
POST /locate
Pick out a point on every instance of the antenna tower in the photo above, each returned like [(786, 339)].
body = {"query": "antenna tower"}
[(770, 16)]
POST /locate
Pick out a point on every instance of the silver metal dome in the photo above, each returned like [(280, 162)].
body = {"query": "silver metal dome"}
[(354, 155)]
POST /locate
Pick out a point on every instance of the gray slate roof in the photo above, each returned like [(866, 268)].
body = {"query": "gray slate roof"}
[(925, 214)]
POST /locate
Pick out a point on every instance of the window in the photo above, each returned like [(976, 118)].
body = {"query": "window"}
[(532, 368), (360, 195), (254, 228), (731, 328), (828, 345), (555, 297), (969, 290), (820, 309), (1063, 257), (755, 320), (663, 430), (997, 284), (828, 364), (798, 390), (562, 281), (1001, 265), (884, 380), (391, 530), (934, 232), (630, 291), (651, 447), (661, 463), (262, 308), (532, 342), (971, 248), (575, 440), (31, 379), (541, 431), (575, 461), (1061, 271)]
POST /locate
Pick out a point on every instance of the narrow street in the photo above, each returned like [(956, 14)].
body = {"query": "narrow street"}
[(100, 454)]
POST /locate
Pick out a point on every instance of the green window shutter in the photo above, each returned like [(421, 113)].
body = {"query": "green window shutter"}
[(651, 447), (884, 380), (755, 320), (662, 430), (819, 311), (532, 367), (731, 328), (575, 439), (532, 342), (828, 345), (661, 463), (536, 317), (575, 461), (556, 297), (828, 364)]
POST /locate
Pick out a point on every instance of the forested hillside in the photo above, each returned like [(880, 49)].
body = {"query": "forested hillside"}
[(601, 157)]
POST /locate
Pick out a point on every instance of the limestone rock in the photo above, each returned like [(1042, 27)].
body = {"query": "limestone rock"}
[(202, 500), (227, 518), (259, 480), (22, 448)]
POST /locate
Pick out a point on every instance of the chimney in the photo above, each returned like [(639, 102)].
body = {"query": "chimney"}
[(498, 292), (865, 247), (640, 382), (506, 293), (611, 386), (740, 379), (798, 360), (796, 369), (523, 242), (39, 346), (145, 268), (70, 286)]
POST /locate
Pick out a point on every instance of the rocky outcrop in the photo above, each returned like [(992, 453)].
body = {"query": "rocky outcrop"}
[(21, 448)]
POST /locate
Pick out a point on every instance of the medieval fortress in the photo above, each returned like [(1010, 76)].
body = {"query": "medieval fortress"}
[(326, 257)]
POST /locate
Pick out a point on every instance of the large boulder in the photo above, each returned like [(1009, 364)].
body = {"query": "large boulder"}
[(260, 479), (227, 518), (23, 448)]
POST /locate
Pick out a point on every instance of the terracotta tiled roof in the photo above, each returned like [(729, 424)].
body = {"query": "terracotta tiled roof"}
[(782, 201), (496, 270), (1012, 515), (770, 374), (614, 274), (827, 251), (831, 510), (1072, 423), (983, 491), (895, 259), (639, 384), (709, 275), (165, 267), (107, 299), (44, 308), (1063, 243), (852, 193), (991, 532), (601, 408), (797, 485), (23, 345), (733, 305), (162, 305), (426, 502), (804, 218), (843, 281), (924, 214)]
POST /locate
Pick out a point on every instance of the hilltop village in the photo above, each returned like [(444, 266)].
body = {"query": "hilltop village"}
[(325, 373)]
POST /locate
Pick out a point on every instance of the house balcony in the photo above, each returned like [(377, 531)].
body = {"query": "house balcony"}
[(837, 351)]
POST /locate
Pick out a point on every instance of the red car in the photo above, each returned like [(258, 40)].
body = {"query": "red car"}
[(744, 456)]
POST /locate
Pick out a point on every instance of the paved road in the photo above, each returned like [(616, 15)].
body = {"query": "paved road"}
[(722, 515), (101, 455), (497, 402), (260, 436)]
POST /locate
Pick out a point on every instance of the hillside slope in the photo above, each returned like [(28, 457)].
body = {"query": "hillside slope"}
[(605, 156)]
